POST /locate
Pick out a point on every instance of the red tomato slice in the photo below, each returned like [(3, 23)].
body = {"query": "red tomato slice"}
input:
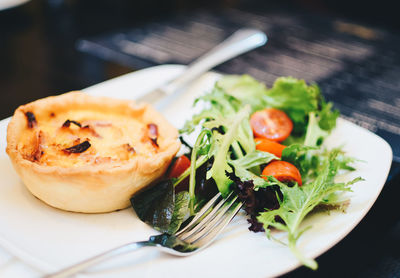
[(272, 124), (266, 145), (283, 171), (180, 165)]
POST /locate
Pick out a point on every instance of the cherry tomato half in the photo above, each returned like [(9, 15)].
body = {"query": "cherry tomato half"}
[(283, 171), (272, 124), (180, 165), (266, 145)]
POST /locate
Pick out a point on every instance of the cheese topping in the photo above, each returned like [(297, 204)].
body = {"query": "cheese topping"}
[(81, 137)]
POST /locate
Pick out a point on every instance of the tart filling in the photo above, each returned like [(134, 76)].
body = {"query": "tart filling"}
[(91, 148), (77, 138)]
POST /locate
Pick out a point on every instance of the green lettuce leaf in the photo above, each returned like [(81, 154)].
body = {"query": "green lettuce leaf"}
[(296, 98), (248, 167), (253, 159), (289, 94), (221, 147), (327, 116), (246, 89), (226, 118), (303, 157), (298, 202)]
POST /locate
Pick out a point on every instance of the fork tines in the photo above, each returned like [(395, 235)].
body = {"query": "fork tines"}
[(210, 220)]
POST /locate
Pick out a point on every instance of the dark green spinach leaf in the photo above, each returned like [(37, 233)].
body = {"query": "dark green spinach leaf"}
[(155, 206), (181, 210)]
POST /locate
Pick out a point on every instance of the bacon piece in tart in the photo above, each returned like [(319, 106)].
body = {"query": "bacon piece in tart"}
[(89, 154)]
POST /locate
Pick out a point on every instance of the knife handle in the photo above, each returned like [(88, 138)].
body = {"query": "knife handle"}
[(238, 43)]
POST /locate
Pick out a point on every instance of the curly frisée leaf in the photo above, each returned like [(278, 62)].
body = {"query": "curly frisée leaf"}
[(221, 149), (314, 135), (309, 160), (298, 202), (305, 158)]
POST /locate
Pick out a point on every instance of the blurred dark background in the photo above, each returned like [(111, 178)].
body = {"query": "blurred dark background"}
[(50, 47), (38, 54)]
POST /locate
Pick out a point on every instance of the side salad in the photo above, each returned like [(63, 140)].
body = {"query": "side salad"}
[(264, 144)]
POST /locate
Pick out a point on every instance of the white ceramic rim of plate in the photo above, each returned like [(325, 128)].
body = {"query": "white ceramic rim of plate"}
[(8, 4)]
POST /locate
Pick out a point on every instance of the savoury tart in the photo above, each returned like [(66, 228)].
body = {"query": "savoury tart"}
[(89, 154)]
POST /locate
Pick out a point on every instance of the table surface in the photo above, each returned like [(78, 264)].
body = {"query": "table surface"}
[(38, 58)]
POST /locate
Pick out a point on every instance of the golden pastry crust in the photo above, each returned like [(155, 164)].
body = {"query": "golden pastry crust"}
[(89, 154)]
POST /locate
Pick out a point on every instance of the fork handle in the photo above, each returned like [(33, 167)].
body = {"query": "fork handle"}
[(74, 269)]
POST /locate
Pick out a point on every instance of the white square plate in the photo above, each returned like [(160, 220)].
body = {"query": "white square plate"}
[(50, 239)]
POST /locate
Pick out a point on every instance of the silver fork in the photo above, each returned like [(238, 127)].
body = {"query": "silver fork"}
[(198, 234)]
